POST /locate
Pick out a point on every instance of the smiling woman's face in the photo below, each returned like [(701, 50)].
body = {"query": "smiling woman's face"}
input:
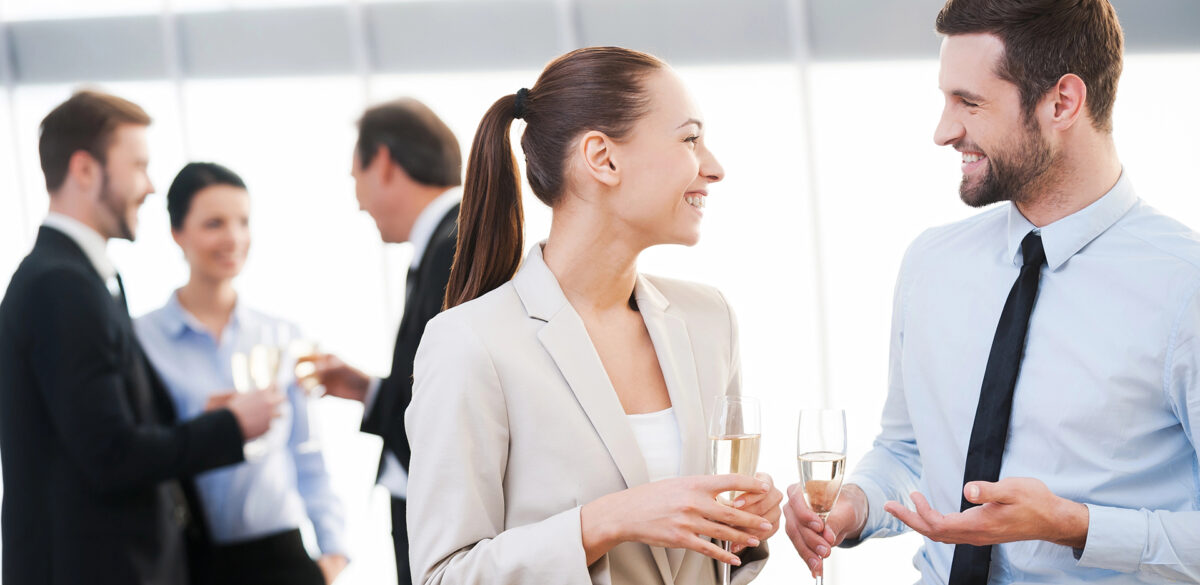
[(666, 167), (215, 236)]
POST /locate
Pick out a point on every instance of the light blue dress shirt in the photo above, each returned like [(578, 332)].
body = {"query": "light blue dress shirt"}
[(273, 493), (1106, 409)]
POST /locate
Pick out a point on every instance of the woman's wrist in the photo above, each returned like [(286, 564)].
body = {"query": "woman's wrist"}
[(600, 526)]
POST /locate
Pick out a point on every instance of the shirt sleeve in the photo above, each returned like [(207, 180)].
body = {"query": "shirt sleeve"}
[(1156, 545), (325, 510), (891, 470)]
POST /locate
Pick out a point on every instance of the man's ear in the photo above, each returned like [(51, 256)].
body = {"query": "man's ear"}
[(84, 170), (1066, 102), (599, 158), (381, 163)]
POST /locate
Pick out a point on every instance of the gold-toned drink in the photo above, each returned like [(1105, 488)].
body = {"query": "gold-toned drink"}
[(734, 454), (821, 473)]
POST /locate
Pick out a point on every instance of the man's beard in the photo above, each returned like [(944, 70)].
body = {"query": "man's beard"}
[(1014, 174), (118, 207)]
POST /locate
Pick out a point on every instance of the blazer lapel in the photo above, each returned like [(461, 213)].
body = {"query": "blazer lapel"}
[(566, 339), (673, 345)]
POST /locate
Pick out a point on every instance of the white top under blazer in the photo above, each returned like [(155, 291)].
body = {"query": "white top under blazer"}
[(514, 425), (657, 435)]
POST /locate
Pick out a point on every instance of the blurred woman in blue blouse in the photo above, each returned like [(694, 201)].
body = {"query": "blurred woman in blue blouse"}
[(254, 510)]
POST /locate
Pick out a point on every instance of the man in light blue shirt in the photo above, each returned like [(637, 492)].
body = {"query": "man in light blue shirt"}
[(1056, 336)]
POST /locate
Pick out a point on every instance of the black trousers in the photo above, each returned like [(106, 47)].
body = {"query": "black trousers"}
[(279, 559), (400, 541)]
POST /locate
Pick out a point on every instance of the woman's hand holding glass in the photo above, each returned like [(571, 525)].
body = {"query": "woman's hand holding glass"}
[(681, 512), (765, 505)]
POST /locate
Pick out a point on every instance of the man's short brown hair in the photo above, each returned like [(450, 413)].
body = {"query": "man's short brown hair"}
[(416, 139), (85, 122), (1045, 40)]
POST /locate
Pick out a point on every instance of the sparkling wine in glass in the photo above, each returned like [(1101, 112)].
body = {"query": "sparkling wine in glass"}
[(257, 369), (733, 432), (821, 457)]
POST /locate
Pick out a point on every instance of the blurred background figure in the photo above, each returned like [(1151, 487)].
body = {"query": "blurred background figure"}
[(407, 167), (254, 509), (97, 467)]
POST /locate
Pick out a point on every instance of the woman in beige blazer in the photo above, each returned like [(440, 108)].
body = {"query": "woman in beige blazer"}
[(558, 420)]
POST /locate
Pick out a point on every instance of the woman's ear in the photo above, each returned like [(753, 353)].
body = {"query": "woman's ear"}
[(177, 235), (596, 150)]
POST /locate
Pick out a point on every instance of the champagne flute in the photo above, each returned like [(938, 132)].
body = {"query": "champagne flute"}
[(734, 433), (302, 352), (257, 369), (821, 456)]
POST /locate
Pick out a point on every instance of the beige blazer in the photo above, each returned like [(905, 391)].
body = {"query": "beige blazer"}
[(514, 425)]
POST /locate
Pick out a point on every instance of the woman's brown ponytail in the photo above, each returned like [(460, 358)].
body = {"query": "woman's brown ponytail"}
[(491, 222)]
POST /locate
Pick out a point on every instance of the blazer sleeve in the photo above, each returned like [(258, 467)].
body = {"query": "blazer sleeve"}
[(77, 361), (458, 429)]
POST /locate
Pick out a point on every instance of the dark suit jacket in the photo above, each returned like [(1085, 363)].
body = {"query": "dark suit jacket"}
[(386, 417), (91, 453)]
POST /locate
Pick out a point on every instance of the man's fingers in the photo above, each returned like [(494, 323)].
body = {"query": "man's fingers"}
[(800, 509), (816, 543), (912, 519), (931, 516), (984, 492)]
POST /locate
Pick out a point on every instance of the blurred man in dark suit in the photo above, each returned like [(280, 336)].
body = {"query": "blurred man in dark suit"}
[(96, 468), (407, 170)]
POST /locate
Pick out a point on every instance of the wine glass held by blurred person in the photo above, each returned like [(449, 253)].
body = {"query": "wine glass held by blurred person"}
[(97, 464), (407, 168), (254, 509), (1044, 388), (558, 416)]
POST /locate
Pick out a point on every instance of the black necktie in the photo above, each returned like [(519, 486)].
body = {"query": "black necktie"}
[(119, 294), (970, 566)]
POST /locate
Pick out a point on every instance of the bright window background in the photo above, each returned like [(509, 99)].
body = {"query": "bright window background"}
[(875, 182)]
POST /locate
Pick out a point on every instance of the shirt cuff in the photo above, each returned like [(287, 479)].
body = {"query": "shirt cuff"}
[(371, 395), (1115, 540), (877, 518)]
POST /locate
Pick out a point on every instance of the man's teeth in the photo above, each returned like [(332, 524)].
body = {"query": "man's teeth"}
[(970, 158), (695, 200)]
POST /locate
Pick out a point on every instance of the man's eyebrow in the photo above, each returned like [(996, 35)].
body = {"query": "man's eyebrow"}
[(967, 95)]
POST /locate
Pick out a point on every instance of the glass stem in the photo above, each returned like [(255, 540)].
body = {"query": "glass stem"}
[(821, 577), (726, 568)]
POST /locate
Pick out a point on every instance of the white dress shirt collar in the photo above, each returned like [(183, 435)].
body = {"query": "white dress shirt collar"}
[(1067, 236), (94, 245), (428, 221)]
